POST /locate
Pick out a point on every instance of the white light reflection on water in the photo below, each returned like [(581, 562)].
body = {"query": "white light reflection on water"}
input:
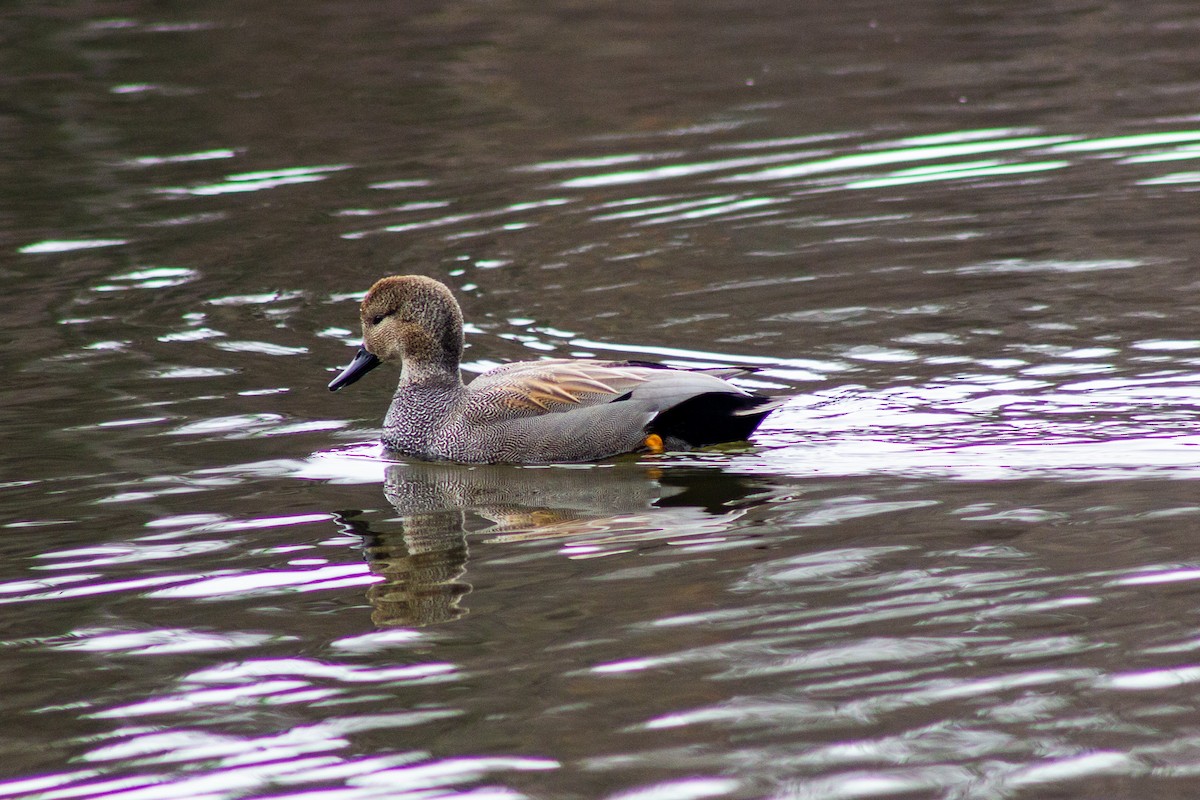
[(278, 580), (286, 766), (685, 789), (1172, 179), (181, 158), (148, 278), (68, 245), (859, 441), (955, 172), (159, 642), (257, 181)]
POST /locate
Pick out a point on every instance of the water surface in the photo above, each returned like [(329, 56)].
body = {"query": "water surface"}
[(959, 563)]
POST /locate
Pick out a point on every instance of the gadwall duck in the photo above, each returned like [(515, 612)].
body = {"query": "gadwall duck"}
[(530, 412)]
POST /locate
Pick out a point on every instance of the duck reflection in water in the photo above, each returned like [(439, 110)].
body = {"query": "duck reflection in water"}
[(593, 510)]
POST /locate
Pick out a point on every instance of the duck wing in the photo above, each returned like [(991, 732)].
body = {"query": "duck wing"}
[(555, 386), (533, 388)]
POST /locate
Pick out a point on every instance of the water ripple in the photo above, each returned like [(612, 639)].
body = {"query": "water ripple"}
[(258, 181)]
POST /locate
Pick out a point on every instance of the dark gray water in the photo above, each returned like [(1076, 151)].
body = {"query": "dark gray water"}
[(962, 562)]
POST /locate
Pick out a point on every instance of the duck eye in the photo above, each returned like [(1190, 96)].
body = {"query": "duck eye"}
[(378, 318)]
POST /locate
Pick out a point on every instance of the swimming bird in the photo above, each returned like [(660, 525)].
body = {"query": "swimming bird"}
[(531, 412)]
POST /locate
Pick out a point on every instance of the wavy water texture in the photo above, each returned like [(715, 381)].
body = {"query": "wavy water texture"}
[(958, 562)]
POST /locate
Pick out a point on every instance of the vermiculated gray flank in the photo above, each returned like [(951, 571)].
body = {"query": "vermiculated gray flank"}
[(530, 412)]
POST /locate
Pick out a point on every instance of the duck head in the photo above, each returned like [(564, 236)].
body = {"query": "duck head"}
[(411, 319)]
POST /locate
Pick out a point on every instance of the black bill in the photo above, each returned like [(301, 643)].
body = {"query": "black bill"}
[(363, 363)]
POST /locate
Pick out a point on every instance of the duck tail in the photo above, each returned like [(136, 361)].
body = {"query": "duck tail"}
[(713, 418)]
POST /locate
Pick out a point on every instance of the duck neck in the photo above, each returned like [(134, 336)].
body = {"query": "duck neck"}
[(432, 358), (423, 372)]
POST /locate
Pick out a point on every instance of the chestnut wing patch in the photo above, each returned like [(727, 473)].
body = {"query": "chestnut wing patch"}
[(547, 387)]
